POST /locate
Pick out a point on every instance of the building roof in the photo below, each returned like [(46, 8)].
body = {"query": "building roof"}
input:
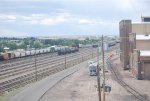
[(140, 23), (145, 16), (145, 53), (142, 37), (6, 48), (145, 19)]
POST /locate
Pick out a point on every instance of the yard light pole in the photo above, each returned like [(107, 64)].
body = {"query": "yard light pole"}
[(65, 62), (98, 75), (103, 65), (35, 66), (92, 52)]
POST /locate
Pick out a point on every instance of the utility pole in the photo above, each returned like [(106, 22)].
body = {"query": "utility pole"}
[(92, 52), (35, 66), (98, 76), (103, 65), (65, 62)]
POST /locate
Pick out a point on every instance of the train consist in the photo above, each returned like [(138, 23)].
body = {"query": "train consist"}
[(67, 50), (107, 43), (20, 54), (112, 43)]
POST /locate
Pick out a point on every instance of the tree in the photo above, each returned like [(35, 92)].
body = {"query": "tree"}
[(37, 44), (12, 46), (22, 45), (1, 49)]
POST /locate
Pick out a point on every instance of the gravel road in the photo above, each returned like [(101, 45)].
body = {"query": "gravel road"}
[(77, 87)]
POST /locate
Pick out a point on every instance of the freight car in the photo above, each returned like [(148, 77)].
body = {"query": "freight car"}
[(67, 50), (21, 54), (112, 43), (74, 49), (3, 56), (6, 56), (95, 46)]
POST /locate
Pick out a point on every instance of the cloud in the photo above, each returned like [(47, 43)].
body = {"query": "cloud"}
[(11, 33), (50, 20), (69, 16), (124, 4), (90, 21), (39, 19), (44, 19), (85, 22), (96, 22), (4, 17)]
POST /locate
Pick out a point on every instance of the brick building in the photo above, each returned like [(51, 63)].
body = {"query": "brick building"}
[(125, 28), (134, 47), (139, 55), (141, 64)]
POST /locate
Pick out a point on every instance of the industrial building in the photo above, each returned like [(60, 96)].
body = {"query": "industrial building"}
[(125, 27), (134, 42), (139, 54), (141, 64)]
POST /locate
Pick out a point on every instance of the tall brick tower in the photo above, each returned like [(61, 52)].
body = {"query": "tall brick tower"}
[(125, 27)]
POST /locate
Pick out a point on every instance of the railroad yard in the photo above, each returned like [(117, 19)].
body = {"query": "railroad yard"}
[(74, 50), (19, 72), (53, 77)]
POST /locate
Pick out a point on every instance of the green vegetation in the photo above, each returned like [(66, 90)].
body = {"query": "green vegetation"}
[(38, 44), (30, 42)]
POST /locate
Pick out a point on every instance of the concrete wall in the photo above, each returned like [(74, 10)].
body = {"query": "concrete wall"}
[(132, 42), (147, 70), (141, 28), (134, 65), (137, 44), (145, 67), (132, 46), (140, 65), (143, 44)]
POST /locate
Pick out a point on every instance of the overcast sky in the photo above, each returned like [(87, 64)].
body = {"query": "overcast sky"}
[(68, 17)]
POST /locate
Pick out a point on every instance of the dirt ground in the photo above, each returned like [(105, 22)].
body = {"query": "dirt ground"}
[(141, 86), (77, 87), (82, 87), (118, 93)]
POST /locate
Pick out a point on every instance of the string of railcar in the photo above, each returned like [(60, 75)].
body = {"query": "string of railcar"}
[(22, 75)]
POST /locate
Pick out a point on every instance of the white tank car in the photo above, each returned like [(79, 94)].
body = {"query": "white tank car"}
[(93, 69)]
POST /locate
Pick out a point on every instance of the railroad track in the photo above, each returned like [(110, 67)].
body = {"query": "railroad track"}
[(18, 61), (38, 58), (27, 65), (128, 88), (20, 76), (32, 57), (25, 60)]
